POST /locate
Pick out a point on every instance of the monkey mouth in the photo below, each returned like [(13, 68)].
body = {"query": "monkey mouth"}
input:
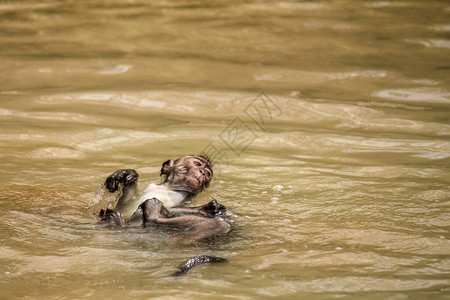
[(196, 179), (200, 183)]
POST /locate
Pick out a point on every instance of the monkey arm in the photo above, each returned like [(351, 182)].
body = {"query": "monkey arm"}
[(210, 210), (126, 182)]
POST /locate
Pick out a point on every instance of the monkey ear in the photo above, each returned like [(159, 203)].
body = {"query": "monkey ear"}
[(167, 167)]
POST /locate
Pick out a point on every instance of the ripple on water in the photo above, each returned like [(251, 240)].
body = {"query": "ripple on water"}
[(348, 284), (315, 77), (424, 95), (155, 101), (381, 4), (302, 143), (75, 145), (56, 152), (443, 27), (28, 6), (118, 69), (49, 116), (431, 43), (286, 6)]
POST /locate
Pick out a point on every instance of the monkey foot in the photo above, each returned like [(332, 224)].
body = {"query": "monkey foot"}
[(212, 209), (123, 176)]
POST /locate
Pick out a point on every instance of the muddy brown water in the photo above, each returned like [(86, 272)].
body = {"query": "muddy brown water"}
[(328, 122)]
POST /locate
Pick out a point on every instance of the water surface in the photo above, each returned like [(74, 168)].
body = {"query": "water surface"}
[(338, 172)]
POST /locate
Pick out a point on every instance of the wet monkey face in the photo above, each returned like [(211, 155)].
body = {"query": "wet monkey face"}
[(191, 173)]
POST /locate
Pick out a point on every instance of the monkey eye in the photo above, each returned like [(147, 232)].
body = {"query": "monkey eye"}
[(208, 173), (198, 164)]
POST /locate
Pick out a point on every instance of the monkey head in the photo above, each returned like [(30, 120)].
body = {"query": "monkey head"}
[(191, 173)]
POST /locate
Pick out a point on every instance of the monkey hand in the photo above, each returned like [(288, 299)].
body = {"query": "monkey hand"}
[(212, 209), (114, 218), (122, 176)]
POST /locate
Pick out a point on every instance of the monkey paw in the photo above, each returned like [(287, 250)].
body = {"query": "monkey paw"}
[(112, 217), (123, 176), (153, 209), (212, 209)]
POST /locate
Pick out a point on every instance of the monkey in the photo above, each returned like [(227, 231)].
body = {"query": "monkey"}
[(160, 206)]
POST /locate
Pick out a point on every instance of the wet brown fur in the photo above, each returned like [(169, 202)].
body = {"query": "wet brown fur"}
[(179, 173)]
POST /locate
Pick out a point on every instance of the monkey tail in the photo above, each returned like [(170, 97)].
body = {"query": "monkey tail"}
[(197, 260)]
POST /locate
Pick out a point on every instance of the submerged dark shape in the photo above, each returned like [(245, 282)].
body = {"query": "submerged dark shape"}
[(195, 261)]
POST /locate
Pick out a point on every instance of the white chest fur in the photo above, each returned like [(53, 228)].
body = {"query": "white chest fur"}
[(168, 197)]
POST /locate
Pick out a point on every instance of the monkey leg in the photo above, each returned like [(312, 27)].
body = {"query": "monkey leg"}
[(195, 228), (210, 210), (204, 230)]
